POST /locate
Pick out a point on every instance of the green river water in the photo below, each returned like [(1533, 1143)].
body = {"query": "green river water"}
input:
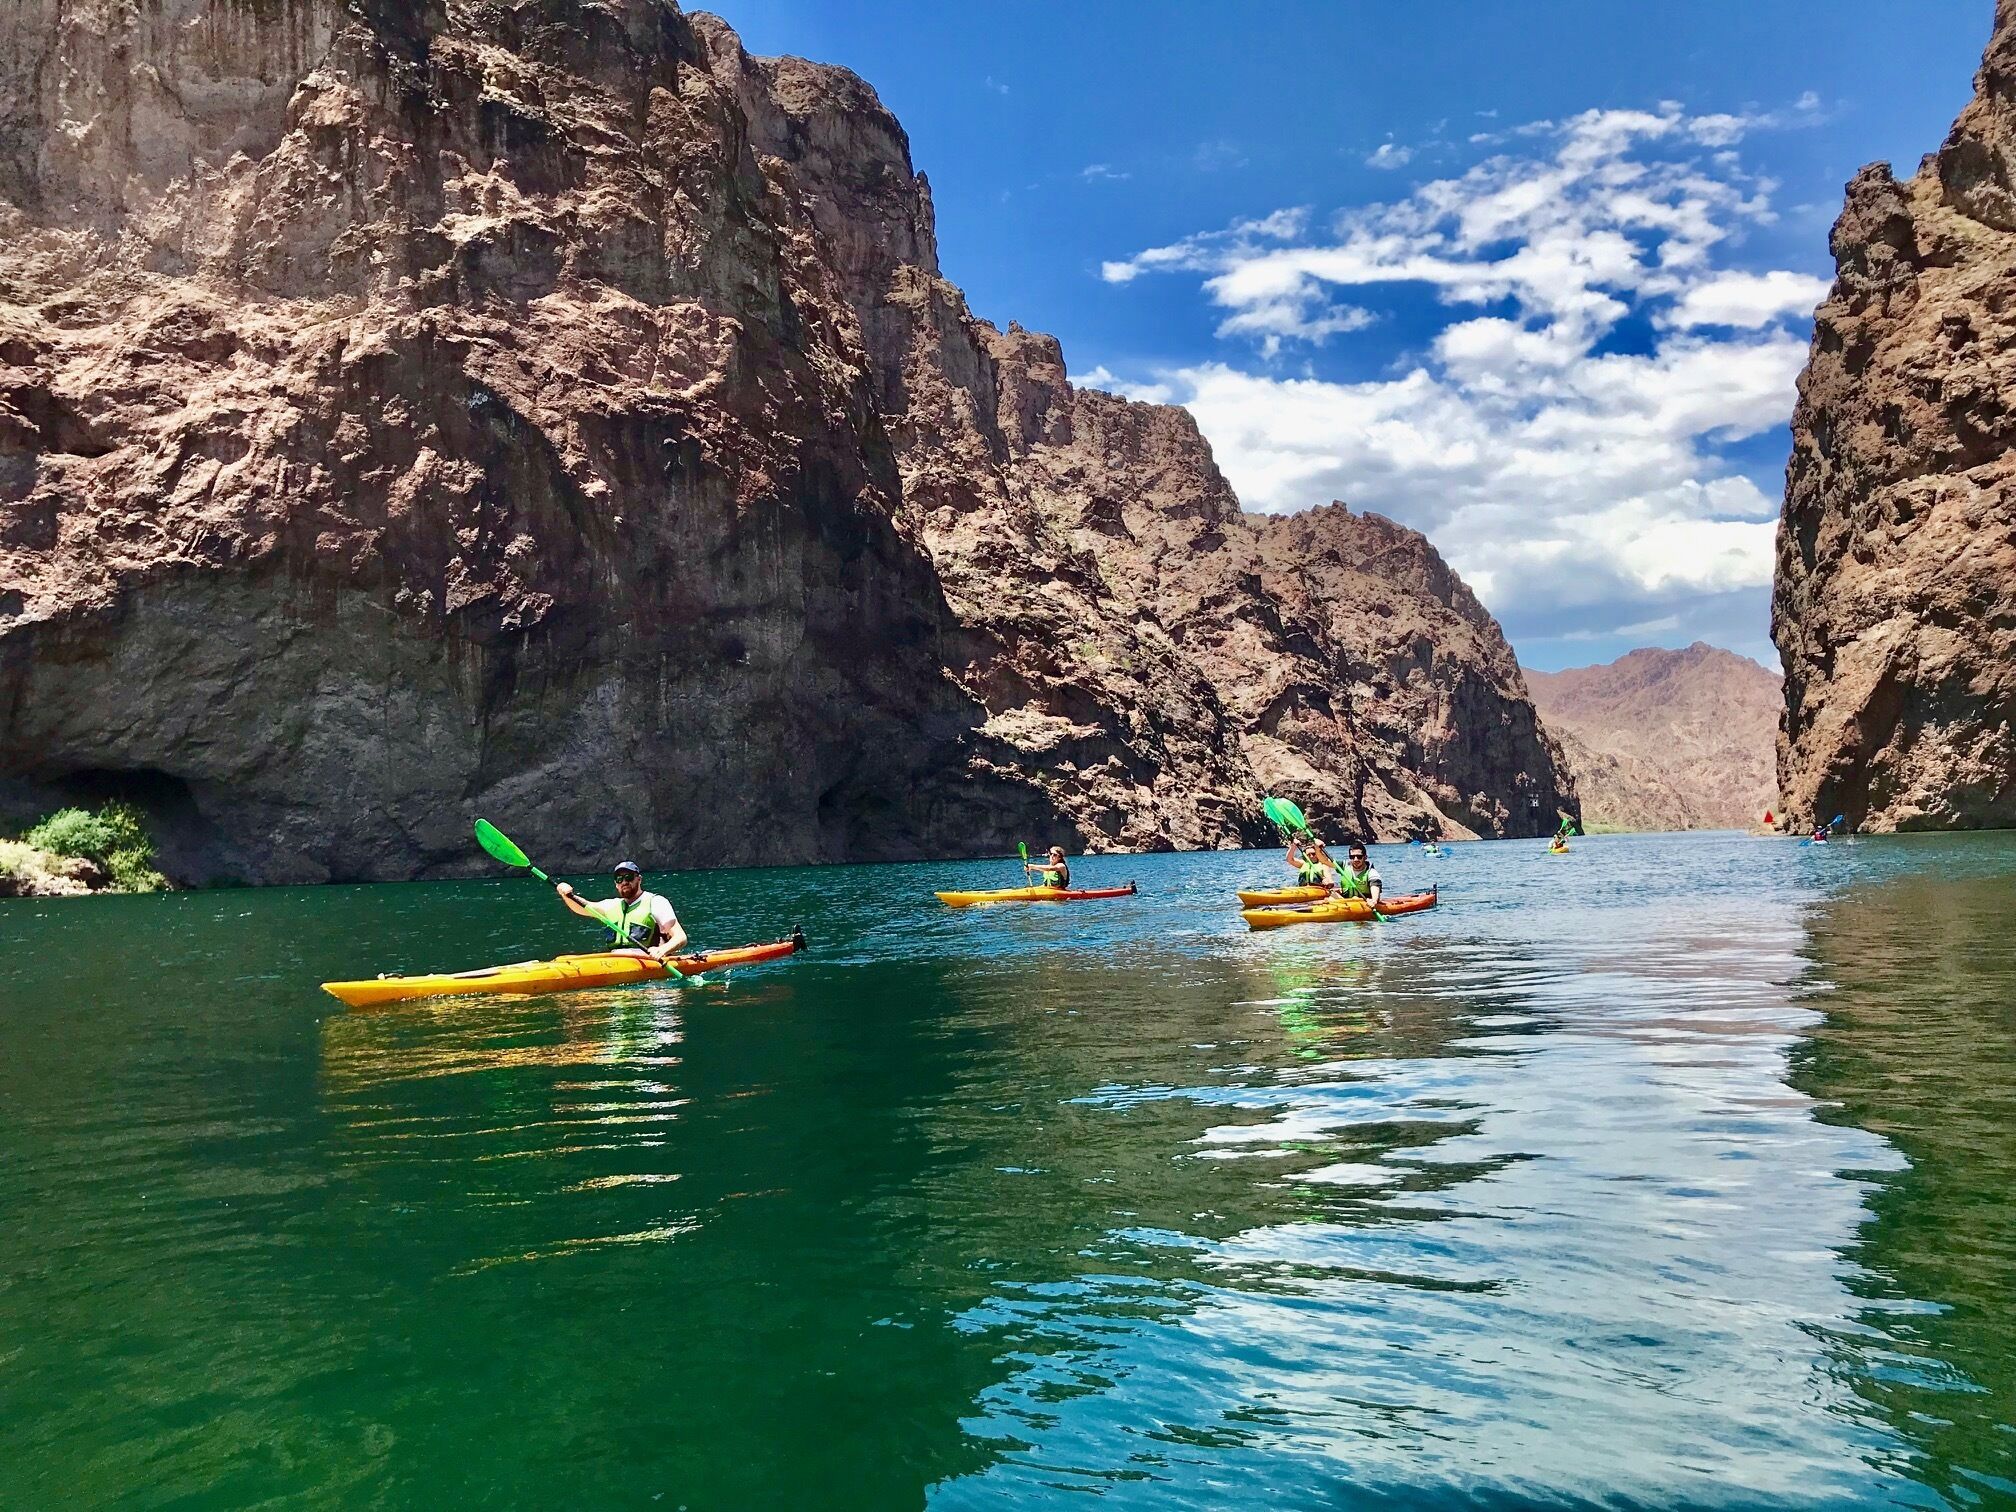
[(1676, 1172)]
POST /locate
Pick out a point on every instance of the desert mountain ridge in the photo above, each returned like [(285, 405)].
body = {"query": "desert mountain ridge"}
[(1667, 740)]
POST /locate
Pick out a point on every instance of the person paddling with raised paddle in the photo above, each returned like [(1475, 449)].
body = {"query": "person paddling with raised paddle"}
[(642, 923), (1311, 863), (1052, 871)]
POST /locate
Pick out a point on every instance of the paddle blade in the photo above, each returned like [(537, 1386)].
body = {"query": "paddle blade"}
[(499, 845), (1837, 819), (1023, 847), (1284, 813)]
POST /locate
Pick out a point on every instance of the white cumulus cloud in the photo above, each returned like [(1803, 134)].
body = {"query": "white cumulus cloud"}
[(1748, 300), (1562, 435)]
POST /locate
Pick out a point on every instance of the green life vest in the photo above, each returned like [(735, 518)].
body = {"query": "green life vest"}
[(1350, 886), (1311, 872), (633, 927), (1056, 878)]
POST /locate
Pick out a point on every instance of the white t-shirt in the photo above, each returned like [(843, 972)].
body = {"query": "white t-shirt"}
[(612, 909)]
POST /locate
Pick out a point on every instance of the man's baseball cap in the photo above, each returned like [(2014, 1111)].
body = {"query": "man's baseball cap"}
[(628, 866)]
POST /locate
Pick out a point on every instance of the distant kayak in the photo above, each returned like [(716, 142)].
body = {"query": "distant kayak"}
[(1557, 850), (1035, 895), (561, 974), (1337, 911), (1277, 897)]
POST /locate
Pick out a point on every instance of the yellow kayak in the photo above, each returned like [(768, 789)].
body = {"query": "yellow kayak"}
[(1336, 911), (1034, 895), (1557, 850), (1281, 897), (561, 974)]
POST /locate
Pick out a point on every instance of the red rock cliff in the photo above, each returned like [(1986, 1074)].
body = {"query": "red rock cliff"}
[(1895, 602), (415, 410)]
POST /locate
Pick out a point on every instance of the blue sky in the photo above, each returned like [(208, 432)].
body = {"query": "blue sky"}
[(1534, 278)]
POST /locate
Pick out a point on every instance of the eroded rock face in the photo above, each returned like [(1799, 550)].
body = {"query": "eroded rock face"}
[(417, 410), (1895, 602)]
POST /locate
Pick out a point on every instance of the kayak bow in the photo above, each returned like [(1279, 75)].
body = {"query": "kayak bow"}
[(561, 974), (1034, 895)]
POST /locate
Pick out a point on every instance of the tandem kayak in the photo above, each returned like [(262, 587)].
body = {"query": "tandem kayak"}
[(561, 974), (1035, 895), (1280, 897), (1337, 911)]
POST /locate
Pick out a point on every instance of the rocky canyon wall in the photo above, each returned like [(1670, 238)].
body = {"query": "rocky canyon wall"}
[(1895, 601), (417, 410)]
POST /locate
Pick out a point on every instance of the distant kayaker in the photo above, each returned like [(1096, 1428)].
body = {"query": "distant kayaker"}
[(642, 923), (1312, 864), (1358, 879), (1052, 871)]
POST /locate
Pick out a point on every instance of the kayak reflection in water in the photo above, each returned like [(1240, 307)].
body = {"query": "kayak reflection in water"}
[(1311, 863), (641, 923), (1052, 871), (1358, 879)]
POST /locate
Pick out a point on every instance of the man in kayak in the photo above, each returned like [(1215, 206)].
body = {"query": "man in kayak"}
[(1052, 871), (1358, 879), (1313, 866), (642, 923)]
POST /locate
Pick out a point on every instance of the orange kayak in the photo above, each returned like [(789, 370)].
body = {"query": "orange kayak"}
[(1281, 897), (561, 974), (1337, 911)]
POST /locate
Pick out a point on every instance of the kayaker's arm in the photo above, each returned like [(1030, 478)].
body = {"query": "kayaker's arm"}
[(675, 937), (574, 903)]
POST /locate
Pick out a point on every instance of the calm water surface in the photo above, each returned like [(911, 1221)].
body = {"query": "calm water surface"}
[(1676, 1172)]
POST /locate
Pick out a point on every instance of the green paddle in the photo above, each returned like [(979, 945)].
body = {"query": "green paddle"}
[(499, 845)]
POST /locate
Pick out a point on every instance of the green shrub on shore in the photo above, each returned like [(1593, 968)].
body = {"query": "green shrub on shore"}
[(114, 839)]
